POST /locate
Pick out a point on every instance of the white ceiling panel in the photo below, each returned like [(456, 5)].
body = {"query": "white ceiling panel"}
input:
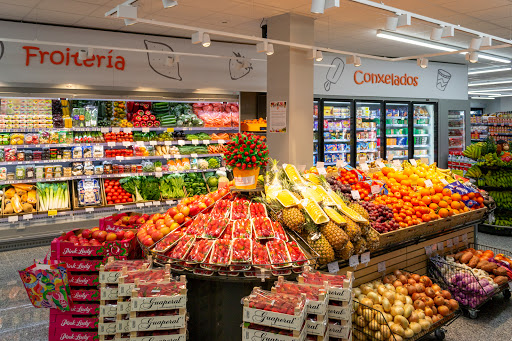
[(52, 17), (14, 12), (68, 6)]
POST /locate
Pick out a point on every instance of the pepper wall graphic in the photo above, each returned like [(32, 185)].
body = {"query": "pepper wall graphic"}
[(443, 78), (157, 61), (334, 73), (237, 69)]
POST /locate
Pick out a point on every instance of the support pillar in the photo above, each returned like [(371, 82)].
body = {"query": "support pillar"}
[(290, 79)]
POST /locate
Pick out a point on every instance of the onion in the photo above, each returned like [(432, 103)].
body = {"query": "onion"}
[(402, 279), (428, 302), (399, 303), (408, 300), (397, 283), (356, 292), (374, 297), (397, 272), (426, 281), (408, 309), (420, 288), (436, 287), (415, 326), (397, 329), (415, 296), (418, 304), (429, 292), (402, 321), (396, 310), (390, 296), (428, 312), (365, 289), (424, 324), (411, 281), (443, 310), (439, 300), (381, 289), (408, 332), (446, 294), (421, 313), (416, 277), (414, 317), (386, 280), (454, 305)]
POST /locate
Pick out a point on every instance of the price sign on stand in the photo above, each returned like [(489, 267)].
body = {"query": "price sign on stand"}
[(456, 241), (364, 166), (221, 141), (396, 164), (168, 143), (145, 130), (195, 141), (28, 216), (13, 218), (194, 155), (158, 174), (365, 258), (381, 267), (169, 202), (333, 267), (149, 203), (380, 164), (428, 250), (116, 130), (413, 162), (390, 157), (449, 243), (181, 142), (206, 141), (444, 182), (140, 204), (111, 144), (355, 194), (340, 163), (428, 183), (104, 130), (375, 189), (353, 261), (118, 207), (126, 143)]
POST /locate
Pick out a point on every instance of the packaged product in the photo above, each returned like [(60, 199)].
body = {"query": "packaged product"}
[(62, 136), (10, 154), (30, 171), (66, 154), (48, 172), (88, 192), (200, 250), (28, 155), (20, 155), (66, 172), (54, 137), (57, 171), (3, 173), (20, 172), (4, 138), (77, 153), (278, 253), (77, 168), (241, 250), (98, 169), (17, 138), (88, 168), (263, 228), (215, 227), (44, 137), (2, 154), (107, 167), (87, 152), (39, 172), (32, 138)]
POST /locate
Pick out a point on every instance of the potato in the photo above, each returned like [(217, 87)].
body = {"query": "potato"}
[(500, 280), (501, 271), (27, 208), (466, 257), (481, 264), (458, 255), (489, 267), (473, 261)]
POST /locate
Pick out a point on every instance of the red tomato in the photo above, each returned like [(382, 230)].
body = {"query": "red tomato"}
[(114, 197), (110, 202), (109, 198), (123, 200), (129, 200), (117, 201)]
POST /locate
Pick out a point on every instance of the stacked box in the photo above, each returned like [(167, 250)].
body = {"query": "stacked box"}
[(126, 286), (274, 316), (339, 309), (158, 309), (316, 305), (109, 279)]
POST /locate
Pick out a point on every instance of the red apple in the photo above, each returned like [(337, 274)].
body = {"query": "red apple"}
[(128, 235), (179, 218), (111, 236), (188, 221), (102, 235), (185, 210), (96, 233), (133, 220), (125, 219), (141, 220), (86, 233), (120, 235), (172, 211), (145, 216)]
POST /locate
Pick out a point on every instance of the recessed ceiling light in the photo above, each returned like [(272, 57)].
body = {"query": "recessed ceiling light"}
[(479, 71)]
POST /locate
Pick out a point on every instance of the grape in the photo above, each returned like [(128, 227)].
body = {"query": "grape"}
[(381, 217)]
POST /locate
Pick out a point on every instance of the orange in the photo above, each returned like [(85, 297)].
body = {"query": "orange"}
[(436, 199), (426, 200), (466, 209), (438, 188), (450, 212), (407, 198), (448, 199), (480, 200), (426, 217), (420, 182), (465, 197), (456, 197), (443, 213), (387, 170), (455, 205), (406, 182), (432, 191), (471, 195), (455, 211), (407, 171), (424, 192), (433, 216), (433, 206), (443, 204), (447, 192)]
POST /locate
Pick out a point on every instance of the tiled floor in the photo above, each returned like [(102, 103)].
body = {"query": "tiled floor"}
[(19, 321)]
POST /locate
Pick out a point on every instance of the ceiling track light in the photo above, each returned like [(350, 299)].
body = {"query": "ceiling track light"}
[(354, 60), (486, 41), (472, 57), (82, 54), (201, 37), (479, 71), (448, 31), (436, 34), (169, 3), (129, 22), (172, 60), (391, 23), (475, 43), (422, 62), (266, 47), (319, 6), (316, 55), (404, 20)]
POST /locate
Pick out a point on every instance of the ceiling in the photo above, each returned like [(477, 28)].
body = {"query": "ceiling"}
[(351, 27)]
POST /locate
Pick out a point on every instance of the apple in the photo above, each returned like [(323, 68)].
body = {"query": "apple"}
[(125, 219), (95, 228), (179, 218), (102, 235), (201, 206), (120, 234), (111, 236), (95, 234), (188, 221), (145, 216), (128, 235), (86, 233), (141, 220), (174, 226), (133, 220), (193, 210), (172, 211), (165, 230), (185, 210), (157, 235), (208, 202)]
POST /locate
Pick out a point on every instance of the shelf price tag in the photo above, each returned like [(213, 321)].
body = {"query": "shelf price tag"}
[(177, 156), (397, 164), (118, 207), (28, 216), (428, 250), (111, 144), (375, 189), (116, 130), (140, 143), (89, 209), (170, 130), (166, 156), (157, 203), (52, 213), (456, 241), (413, 162), (440, 246), (340, 163), (365, 258), (169, 202), (194, 155), (380, 164), (119, 157), (181, 142), (353, 261), (167, 143), (195, 142), (140, 204), (428, 183), (322, 171), (145, 130), (13, 218), (449, 243), (153, 143), (149, 203), (104, 130), (333, 267), (126, 143), (158, 174), (206, 141), (381, 267), (127, 130), (364, 166), (221, 141), (355, 194)]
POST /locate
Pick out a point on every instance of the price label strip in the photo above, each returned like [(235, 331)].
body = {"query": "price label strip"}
[(365, 258), (353, 261)]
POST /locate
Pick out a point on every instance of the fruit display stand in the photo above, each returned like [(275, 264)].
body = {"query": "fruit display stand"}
[(472, 286)]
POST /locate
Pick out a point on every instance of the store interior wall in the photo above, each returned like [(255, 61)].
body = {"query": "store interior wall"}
[(253, 105), (492, 106), (444, 106)]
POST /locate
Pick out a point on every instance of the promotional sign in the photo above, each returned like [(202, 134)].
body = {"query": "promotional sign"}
[(277, 117), (377, 78), (60, 65)]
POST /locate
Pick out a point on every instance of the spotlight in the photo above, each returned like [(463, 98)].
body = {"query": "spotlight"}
[(472, 57), (264, 46), (448, 31), (422, 62), (172, 60), (129, 22), (354, 60), (169, 3), (201, 37), (82, 54), (475, 43), (90, 52), (436, 34), (319, 6), (486, 41), (404, 20), (319, 56), (391, 23)]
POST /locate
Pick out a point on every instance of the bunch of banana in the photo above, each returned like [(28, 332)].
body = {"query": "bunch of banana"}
[(474, 151), (446, 174), (503, 198), (500, 178), (491, 160), (474, 172)]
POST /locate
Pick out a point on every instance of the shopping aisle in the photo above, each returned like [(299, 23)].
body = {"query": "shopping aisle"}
[(20, 321)]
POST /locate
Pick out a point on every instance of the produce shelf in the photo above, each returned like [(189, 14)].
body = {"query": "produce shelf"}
[(114, 144), (126, 130), (499, 230), (118, 175)]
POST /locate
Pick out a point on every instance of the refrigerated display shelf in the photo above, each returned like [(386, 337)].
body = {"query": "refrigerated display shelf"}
[(398, 147), (366, 140), (397, 125), (118, 175), (421, 146), (334, 116), (477, 140), (397, 135), (399, 156), (126, 130), (504, 134), (117, 158), (421, 134), (114, 144), (455, 147), (334, 140), (366, 129), (455, 128), (335, 152), (455, 137), (421, 125), (367, 150)]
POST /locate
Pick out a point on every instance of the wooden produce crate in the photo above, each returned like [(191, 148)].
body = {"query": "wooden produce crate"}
[(35, 210), (68, 208), (74, 197), (104, 195)]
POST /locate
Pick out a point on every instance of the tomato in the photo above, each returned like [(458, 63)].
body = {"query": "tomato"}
[(129, 200), (117, 201), (110, 202), (109, 188), (114, 197), (109, 198), (116, 187), (123, 200)]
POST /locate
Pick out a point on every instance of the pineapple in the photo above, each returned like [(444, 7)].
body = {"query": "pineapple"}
[(334, 235), (320, 244), (293, 218), (346, 252), (353, 230), (359, 209), (372, 240), (360, 246)]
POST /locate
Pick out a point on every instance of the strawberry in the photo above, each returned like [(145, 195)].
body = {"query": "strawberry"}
[(242, 229), (278, 253), (239, 209), (263, 228), (182, 247), (296, 254), (258, 210), (241, 250), (220, 252), (279, 231), (215, 227)]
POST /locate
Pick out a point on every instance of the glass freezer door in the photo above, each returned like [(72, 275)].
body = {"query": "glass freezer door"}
[(368, 130), (336, 132), (456, 131), (423, 131), (397, 132), (315, 132)]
